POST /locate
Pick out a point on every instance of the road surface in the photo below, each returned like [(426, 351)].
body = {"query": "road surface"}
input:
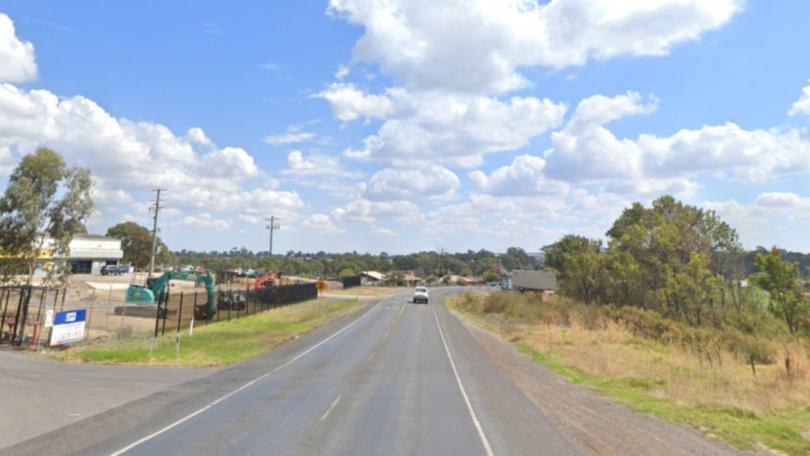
[(394, 379)]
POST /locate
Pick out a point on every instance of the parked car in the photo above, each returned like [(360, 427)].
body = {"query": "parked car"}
[(111, 269), (420, 294)]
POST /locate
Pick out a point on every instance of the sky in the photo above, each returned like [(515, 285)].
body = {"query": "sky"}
[(410, 125)]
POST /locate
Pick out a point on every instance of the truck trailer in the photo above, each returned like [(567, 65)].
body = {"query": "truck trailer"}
[(534, 281)]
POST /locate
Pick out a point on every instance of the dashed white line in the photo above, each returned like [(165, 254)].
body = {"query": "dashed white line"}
[(401, 310), (372, 356), (331, 407), (481, 435), (385, 336), (241, 388)]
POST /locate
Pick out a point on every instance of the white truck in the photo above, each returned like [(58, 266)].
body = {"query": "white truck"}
[(534, 281)]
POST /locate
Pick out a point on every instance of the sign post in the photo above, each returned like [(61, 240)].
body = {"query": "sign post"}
[(68, 327), (321, 285)]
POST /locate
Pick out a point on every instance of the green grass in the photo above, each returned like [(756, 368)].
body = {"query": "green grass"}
[(780, 431), (217, 344)]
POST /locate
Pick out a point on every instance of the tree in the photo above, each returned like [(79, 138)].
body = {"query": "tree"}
[(781, 279), (136, 241), (45, 201)]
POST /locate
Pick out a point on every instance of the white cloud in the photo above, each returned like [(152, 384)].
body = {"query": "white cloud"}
[(443, 128), (320, 223), (429, 183), (802, 105), (299, 165), (291, 137), (382, 231), (368, 212), (586, 151), (771, 217), (350, 103), (17, 56), (479, 46), (129, 156), (203, 220), (342, 72), (523, 177), (270, 66)]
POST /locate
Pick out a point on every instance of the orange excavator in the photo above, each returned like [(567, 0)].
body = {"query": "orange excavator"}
[(262, 281)]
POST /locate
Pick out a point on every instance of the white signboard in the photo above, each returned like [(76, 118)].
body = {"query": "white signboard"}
[(68, 327), (49, 318)]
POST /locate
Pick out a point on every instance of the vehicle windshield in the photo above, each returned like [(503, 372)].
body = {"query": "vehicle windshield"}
[(421, 290)]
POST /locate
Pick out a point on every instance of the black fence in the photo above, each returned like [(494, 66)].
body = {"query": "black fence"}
[(22, 311), (177, 311), (353, 281)]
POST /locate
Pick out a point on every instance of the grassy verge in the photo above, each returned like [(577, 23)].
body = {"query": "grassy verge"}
[(723, 400), (217, 344)]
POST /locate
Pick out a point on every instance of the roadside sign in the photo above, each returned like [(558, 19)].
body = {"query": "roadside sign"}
[(321, 285), (48, 318), (68, 327)]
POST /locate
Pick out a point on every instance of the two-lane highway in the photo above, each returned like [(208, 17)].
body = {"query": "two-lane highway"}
[(399, 378)]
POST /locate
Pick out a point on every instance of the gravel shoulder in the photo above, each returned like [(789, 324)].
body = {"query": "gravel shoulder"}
[(601, 426)]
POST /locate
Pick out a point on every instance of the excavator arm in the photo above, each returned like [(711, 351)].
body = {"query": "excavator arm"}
[(154, 287)]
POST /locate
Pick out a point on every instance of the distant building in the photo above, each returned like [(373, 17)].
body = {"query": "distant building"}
[(87, 254), (371, 277)]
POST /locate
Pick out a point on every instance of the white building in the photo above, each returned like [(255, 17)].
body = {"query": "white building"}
[(89, 253)]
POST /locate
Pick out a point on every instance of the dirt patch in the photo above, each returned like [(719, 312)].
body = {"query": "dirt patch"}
[(602, 426)]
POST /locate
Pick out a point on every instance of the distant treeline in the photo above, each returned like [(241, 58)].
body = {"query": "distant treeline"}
[(322, 264)]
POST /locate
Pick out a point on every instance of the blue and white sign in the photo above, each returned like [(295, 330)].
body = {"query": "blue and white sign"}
[(68, 327)]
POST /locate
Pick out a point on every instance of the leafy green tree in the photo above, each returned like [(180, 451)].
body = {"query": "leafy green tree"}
[(45, 199), (492, 276), (781, 279), (136, 242)]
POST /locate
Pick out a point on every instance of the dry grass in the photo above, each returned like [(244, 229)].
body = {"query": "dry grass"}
[(722, 397)]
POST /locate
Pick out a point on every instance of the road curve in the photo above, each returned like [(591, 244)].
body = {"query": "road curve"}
[(395, 379)]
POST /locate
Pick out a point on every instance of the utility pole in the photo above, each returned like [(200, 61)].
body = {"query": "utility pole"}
[(272, 226), (156, 209)]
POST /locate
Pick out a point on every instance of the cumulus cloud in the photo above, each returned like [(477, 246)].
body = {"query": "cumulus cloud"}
[(585, 150), (320, 223), (17, 56), (523, 177), (479, 46), (132, 156), (444, 128), (802, 105), (350, 103), (431, 183), (368, 212)]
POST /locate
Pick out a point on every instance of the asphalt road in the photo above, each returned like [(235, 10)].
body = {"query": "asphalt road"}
[(395, 378)]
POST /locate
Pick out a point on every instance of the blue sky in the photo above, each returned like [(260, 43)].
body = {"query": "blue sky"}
[(409, 125)]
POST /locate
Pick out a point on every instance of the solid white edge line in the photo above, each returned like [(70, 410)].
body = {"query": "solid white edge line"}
[(243, 387), (331, 407), (481, 435)]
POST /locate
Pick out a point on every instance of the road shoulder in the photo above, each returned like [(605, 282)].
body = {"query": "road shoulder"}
[(601, 426)]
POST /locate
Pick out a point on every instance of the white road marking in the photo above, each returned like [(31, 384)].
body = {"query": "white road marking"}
[(241, 388), (401, 310), (481, 435), (372, 356), (331, 407), (385, 336)]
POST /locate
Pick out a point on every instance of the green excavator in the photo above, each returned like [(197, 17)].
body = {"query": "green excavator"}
[(147, 295)]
